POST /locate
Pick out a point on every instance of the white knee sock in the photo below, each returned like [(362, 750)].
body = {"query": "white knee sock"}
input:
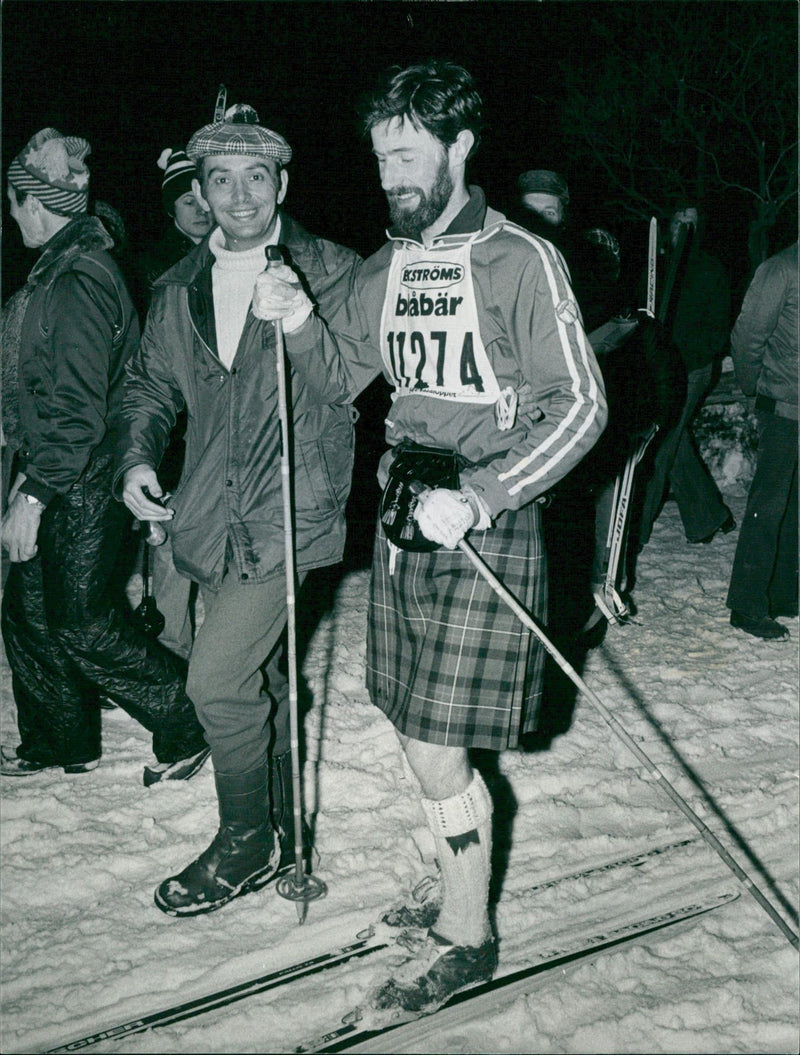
[(462, 828)]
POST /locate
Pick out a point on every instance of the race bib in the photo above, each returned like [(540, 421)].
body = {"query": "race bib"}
[(430, 337)]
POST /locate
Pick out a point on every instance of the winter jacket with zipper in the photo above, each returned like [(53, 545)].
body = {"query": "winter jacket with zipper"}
[(228, 504), (79, 330), (530, 326)]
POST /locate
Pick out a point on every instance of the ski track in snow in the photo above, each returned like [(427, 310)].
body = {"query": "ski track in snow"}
[(83, 945)]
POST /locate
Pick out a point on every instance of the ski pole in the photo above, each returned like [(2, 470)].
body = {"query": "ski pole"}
[(296, 886), (527, 620)]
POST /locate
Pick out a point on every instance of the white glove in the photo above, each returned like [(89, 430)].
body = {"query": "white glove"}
[(277, 295), (446, 516)]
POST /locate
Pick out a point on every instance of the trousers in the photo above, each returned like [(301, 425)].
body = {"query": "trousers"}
[(69, 638), (764, 575), (235, 676), (678, 464)]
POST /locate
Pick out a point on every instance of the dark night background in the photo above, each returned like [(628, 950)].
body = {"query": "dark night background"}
[(135, 76)]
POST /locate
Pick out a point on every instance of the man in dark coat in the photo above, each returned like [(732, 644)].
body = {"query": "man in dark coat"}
[(70, 332), (698, 326), (764, 344), (188, 226), (203, 349)]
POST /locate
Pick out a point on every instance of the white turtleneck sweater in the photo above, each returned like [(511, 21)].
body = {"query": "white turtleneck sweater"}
[(233, 277)]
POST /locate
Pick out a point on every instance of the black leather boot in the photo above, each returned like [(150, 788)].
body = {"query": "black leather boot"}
[(243, 856), (282, 795)]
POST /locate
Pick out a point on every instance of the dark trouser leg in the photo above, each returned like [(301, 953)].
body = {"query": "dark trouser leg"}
[(80, 543), (755, 563), (677, 462), (57, 712), (700, 504), (783, 589)]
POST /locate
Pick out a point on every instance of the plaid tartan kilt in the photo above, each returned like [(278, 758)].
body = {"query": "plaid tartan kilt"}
[(447, 660)]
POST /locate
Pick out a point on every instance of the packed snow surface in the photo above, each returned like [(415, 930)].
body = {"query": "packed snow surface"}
[(716, 710)]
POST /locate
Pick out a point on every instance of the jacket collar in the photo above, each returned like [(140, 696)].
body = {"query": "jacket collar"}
[(301, 247), (84, 234)]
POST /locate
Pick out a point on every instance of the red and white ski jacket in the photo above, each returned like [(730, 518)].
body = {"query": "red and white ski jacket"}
[(458, 327)]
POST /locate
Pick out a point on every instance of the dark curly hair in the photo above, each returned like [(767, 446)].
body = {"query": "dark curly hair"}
[(438, 96)]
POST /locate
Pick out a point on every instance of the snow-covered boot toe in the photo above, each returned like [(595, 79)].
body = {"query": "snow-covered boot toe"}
[(243, 856), (238, 861), (434, 971)]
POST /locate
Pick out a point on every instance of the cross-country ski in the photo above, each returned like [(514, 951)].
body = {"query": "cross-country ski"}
[(371, 939), (363, 1030)]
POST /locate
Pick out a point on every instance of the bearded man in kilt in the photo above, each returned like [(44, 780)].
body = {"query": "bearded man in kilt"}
[(497, 395)]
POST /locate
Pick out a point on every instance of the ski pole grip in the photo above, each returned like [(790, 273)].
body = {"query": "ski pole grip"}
[(273, 255), (154, 531)]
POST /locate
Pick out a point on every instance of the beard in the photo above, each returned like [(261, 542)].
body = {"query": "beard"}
[(412, 222)]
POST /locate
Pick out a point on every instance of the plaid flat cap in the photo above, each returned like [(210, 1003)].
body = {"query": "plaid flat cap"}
[(238, 133), (543, 181)]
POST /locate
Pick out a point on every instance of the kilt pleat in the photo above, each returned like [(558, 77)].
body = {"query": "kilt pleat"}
[(447, 661)]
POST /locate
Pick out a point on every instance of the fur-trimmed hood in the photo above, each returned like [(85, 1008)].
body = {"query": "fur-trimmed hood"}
[(84, 234)]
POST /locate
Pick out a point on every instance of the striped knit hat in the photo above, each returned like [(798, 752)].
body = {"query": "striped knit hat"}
[(52, 168), (237, 131), (179, 172)]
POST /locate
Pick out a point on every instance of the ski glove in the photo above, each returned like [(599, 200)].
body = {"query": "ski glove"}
[(278, 296), (446, 516)]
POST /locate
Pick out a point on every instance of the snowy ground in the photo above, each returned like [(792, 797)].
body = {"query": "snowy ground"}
[(83, 945)]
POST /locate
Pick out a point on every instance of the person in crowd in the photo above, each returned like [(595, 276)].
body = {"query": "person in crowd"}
[(190, 223), (458, 309), (70, 331), (698, 325), (764, 581), (203, 348), (543, 199), (644, 384)]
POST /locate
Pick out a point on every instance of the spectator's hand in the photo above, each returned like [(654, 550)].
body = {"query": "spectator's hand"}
[(21, 525), (446, 516), (134, 482), (277, 295)]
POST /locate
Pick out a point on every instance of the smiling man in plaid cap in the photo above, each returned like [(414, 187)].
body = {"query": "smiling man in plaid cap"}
[(203, 349)]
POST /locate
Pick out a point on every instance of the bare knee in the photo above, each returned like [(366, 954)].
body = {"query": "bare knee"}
[(441, 771)]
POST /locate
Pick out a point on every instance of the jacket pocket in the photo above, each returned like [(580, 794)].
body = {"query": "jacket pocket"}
[(38, 385), (324, 469)]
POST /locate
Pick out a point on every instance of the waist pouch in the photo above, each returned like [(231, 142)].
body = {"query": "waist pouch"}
[(414, 465)]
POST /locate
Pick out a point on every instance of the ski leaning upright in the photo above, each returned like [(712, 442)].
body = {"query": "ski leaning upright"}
[(365, 1034), (609, 603)]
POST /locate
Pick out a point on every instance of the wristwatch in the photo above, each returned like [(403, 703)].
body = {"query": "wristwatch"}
[(32, 500)]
